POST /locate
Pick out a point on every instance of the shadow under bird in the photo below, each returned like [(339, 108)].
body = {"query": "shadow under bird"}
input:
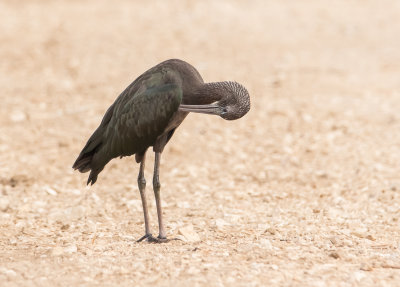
[(147, 114)]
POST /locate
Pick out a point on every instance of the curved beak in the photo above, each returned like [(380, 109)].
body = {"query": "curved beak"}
[(203, 109)]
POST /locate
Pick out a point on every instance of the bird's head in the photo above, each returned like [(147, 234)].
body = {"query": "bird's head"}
[(233, 101)]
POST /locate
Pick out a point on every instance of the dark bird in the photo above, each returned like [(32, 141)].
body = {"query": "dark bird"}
[(147, 113)]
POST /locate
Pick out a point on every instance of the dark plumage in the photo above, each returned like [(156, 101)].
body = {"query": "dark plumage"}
[(147, 113)]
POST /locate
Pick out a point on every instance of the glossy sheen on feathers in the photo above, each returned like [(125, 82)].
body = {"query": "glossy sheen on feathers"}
[(145, 112)]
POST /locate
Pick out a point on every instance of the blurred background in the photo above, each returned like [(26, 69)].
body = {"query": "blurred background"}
[(302, 190)]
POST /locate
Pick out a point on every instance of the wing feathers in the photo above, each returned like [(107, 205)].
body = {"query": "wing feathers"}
[(130, 125)]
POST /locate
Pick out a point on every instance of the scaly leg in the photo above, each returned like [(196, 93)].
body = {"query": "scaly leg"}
[(157, 186), (142, 188)]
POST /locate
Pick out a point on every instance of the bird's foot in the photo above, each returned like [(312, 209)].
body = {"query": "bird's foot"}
[(158, 239), (149, 238), (146, 236)]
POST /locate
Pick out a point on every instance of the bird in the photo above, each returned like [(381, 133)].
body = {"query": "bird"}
[(147, 113)]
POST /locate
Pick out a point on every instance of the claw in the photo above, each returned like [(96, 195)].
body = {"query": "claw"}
[(146, 236), (149, 238), (157, 240)]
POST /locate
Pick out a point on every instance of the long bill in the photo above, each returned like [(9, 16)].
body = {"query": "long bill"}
[(203, 109)]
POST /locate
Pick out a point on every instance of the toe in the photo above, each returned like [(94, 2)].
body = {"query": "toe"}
[(146, 236)]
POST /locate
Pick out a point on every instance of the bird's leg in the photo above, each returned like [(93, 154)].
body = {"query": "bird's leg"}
[(142, 188), (157, 186)]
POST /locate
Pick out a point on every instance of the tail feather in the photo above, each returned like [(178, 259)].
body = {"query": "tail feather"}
[(85, 162), (92, 177), (88, 159)]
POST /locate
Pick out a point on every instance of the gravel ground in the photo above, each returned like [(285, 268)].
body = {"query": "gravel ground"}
[(303, 191)]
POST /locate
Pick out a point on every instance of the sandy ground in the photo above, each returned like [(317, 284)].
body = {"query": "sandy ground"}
[(303, 191)]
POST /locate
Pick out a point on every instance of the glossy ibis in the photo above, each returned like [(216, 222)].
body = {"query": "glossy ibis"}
[(147, 113)]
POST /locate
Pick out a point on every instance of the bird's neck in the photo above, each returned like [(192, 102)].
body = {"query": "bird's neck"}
[(205, 94)]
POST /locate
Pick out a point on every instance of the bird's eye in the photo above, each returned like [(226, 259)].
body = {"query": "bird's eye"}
[(224, 110)]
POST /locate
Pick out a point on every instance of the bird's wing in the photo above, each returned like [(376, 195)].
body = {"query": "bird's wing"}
[(139, 118)]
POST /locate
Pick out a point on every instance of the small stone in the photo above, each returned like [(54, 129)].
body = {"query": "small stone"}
[(307, 118), (183, 204), (333, 240), (74, 191), (57, 251), (20, 225), (265, 243), (57, 216), (321, 173), (67, 216), (246, 248), (188, 234), (134, 204), (358, 275), (370, 237), (18, 116), (65, 227), (71, 249), (360, 232), (334, 255), (8, 272), (4, 204), (365, 267), (89, 252), (271, 230), (220, 223), (76, 212), (50, 190)]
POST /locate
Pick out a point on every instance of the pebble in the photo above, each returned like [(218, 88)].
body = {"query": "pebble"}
[(50, 190), (71, 249), (75, 212), (4, 204), (188, 234), (333, 240), (334, 254), (68, 215), (370, 237), (8, 272), (134, 204), (265, 243), (18, 116), (358, 275), (365, 267), (220, 223), (57, 251), (271, 230)]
